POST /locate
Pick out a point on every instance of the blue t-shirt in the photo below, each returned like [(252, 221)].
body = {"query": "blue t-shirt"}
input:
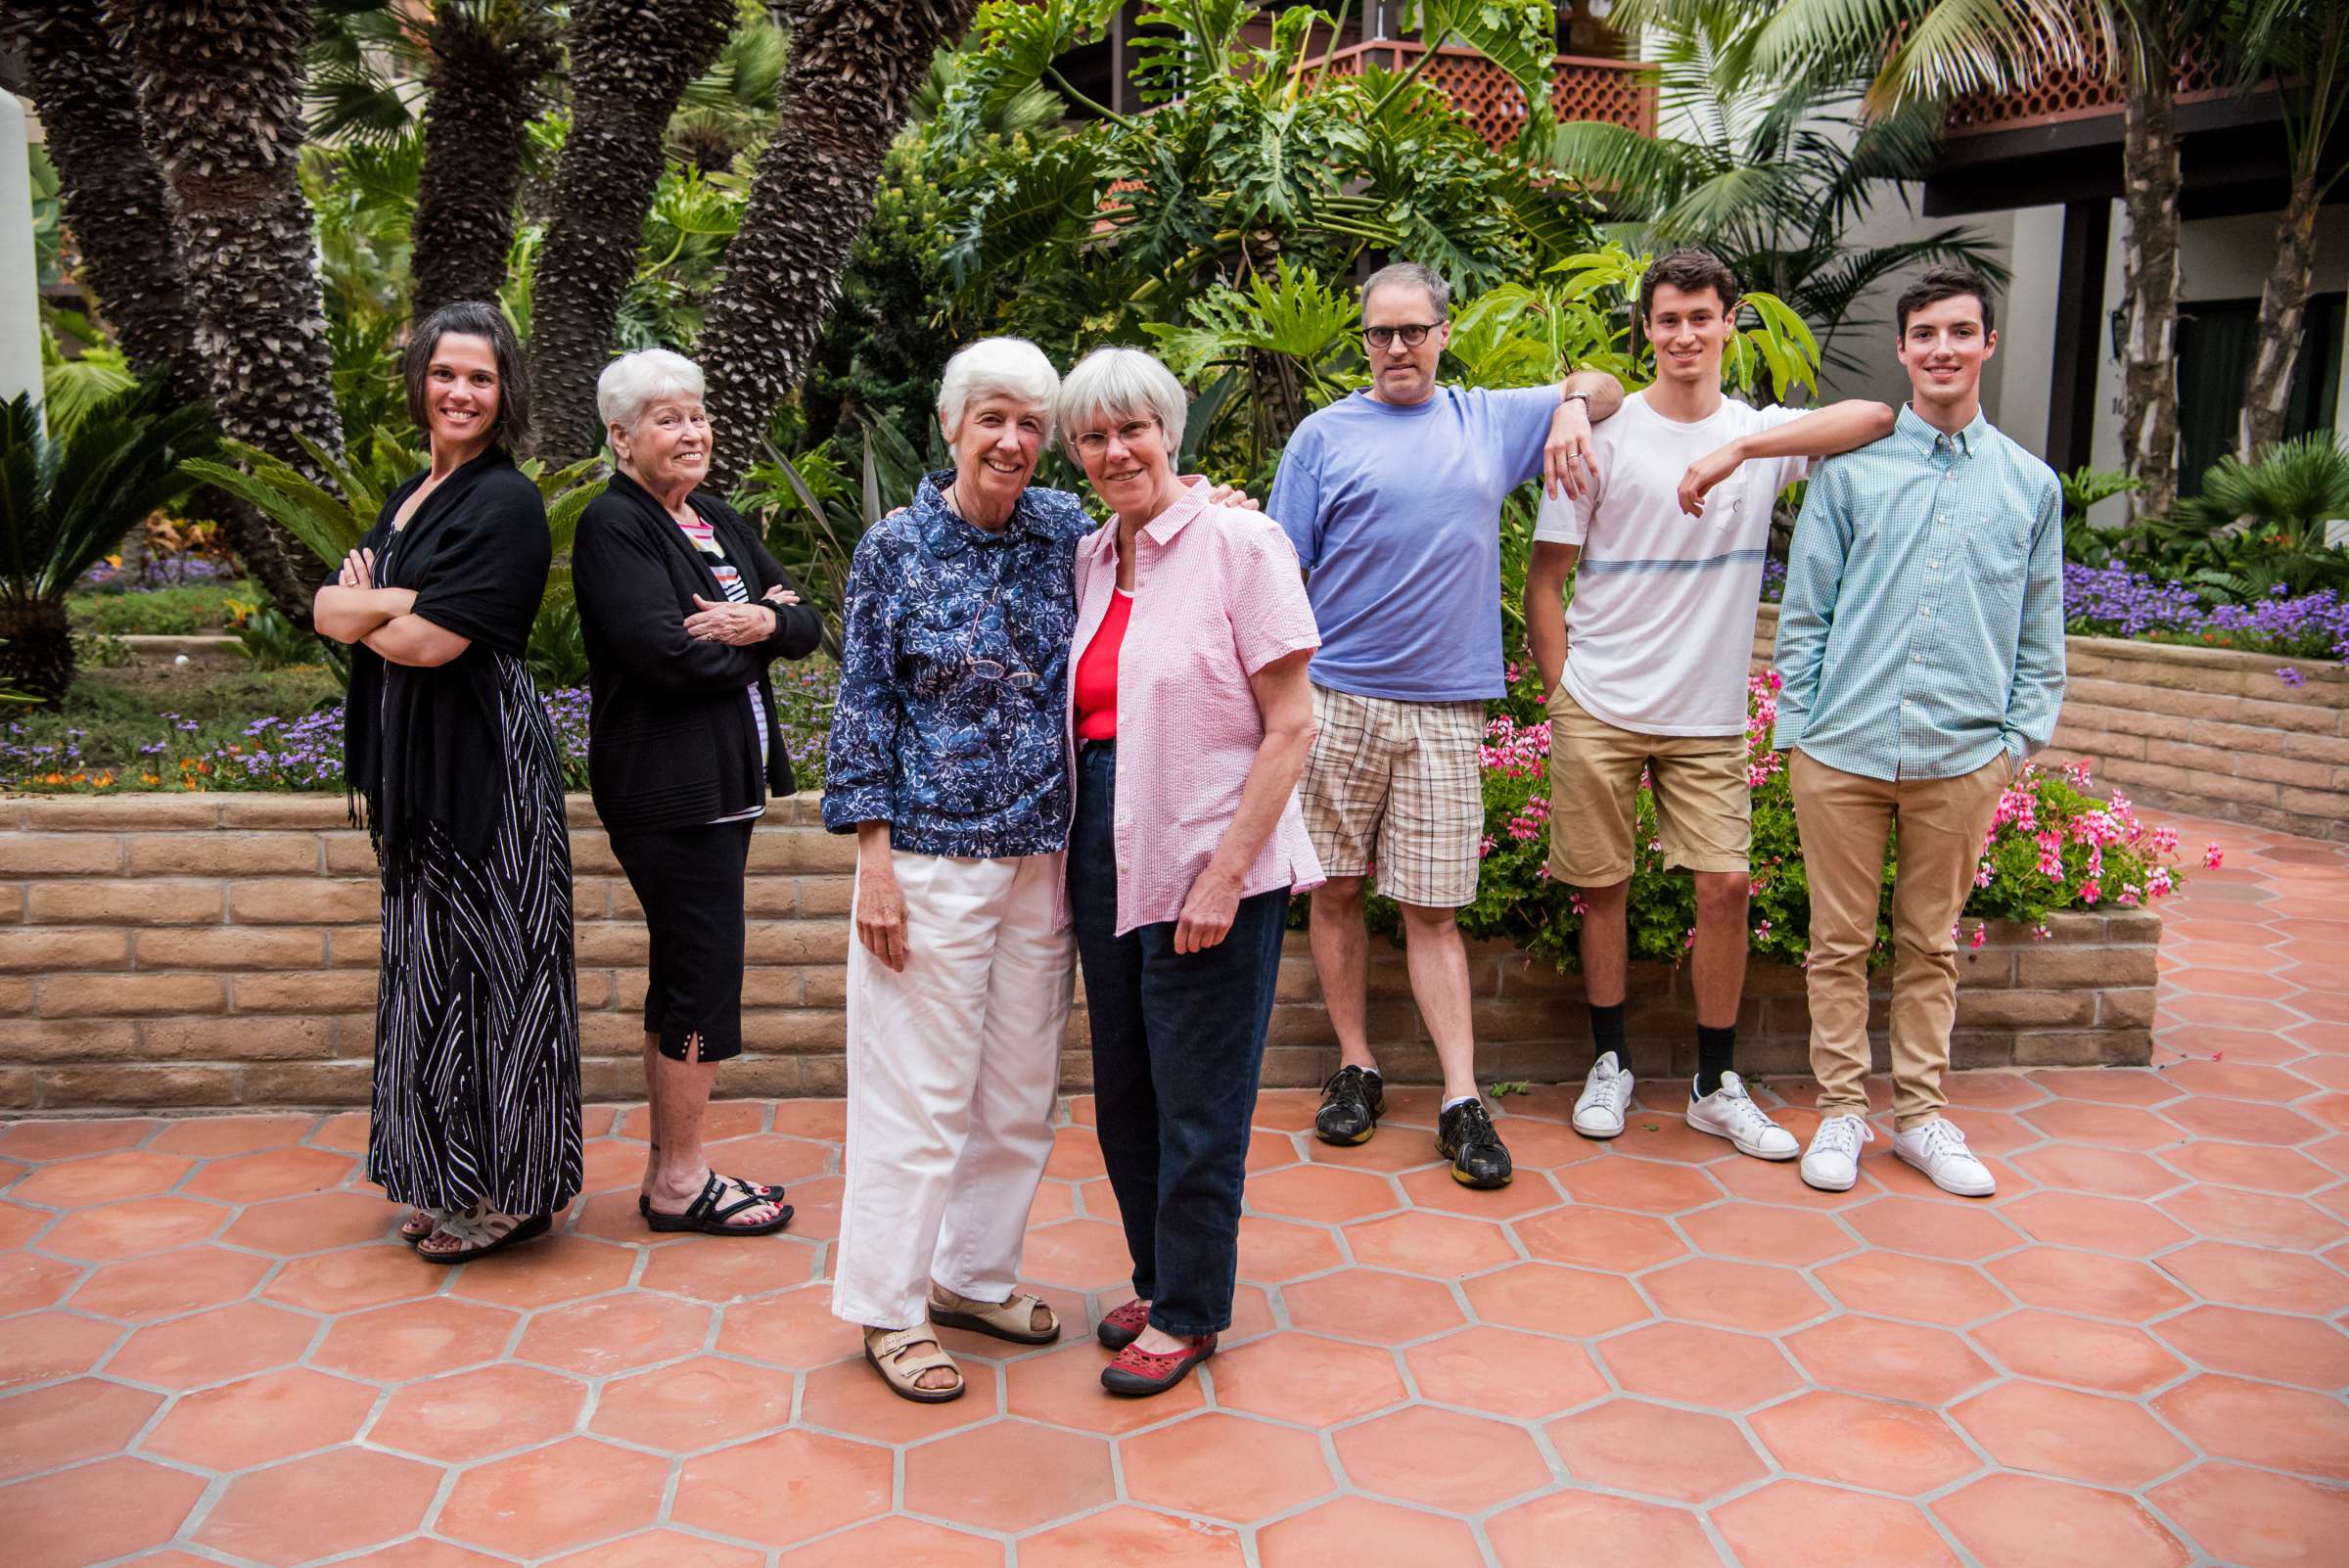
[(1395, 512)]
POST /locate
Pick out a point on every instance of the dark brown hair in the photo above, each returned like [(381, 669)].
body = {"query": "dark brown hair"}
[(1940, 282), (472, 318), (1691, 271)]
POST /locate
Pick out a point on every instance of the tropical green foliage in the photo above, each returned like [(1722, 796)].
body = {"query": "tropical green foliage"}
[(2261, 525)]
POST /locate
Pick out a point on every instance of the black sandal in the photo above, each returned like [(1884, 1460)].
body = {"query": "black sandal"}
[(773, 1193), (707, 1217)]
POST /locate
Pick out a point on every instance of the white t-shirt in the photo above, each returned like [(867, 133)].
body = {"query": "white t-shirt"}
[(1660, 631)]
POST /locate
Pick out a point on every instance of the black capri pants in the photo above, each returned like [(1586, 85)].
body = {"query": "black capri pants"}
[(689, 880)]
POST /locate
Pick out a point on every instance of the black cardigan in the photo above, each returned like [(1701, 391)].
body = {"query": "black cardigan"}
[(670, 742)]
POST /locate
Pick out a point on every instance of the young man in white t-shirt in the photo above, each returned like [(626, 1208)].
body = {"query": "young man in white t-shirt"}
[(1669, 541)]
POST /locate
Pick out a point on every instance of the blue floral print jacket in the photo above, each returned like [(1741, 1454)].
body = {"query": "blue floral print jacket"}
[(954, 666)]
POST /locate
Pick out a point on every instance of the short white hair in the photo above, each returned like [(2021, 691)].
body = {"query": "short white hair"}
[(994, 367), (634, 382), (1123, 383)]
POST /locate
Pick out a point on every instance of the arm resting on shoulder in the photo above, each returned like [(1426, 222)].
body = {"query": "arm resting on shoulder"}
[(1837, 428), (1545, 578)]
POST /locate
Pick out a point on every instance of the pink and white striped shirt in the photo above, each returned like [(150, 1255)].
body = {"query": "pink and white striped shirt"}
[(1217, 596)]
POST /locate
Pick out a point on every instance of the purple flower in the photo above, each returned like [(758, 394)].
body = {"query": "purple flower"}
[(2291, 676)]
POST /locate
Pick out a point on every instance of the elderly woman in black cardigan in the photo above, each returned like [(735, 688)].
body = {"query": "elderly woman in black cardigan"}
[(683, 610)]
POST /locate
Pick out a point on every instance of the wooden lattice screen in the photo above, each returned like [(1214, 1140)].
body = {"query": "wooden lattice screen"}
[(1582, 88), (2080, 94)]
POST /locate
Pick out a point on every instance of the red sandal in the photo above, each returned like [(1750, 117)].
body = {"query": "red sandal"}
[(1119, 1329), (1138, 1373)]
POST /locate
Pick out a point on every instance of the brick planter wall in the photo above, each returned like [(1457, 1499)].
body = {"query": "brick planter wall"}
[(2207, 730), (210, 951)]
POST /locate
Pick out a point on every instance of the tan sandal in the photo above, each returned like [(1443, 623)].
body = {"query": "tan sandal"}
[(891, 1353), (1013, 1320)]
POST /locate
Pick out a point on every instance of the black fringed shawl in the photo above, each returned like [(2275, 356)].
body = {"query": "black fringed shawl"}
[(422, 744)]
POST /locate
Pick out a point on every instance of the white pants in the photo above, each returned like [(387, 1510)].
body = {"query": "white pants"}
[(953, 1064)]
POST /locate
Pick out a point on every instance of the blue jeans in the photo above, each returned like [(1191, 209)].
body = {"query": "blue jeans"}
[(1178, 1041)]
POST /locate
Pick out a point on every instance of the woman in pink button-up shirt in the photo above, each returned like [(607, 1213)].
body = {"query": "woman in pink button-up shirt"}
[(1191, 719)]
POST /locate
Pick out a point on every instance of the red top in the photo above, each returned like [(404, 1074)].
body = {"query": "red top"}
[(1096, 688)]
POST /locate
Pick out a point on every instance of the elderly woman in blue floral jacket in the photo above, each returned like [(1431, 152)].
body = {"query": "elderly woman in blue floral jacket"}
[(947, 762)]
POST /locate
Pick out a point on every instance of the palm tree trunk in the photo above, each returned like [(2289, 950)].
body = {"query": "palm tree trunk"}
[(629, 64), (116, 199), (36, 650), (483, 81), (2151, 182), (220, 84), (813, 191), (2282, 308)]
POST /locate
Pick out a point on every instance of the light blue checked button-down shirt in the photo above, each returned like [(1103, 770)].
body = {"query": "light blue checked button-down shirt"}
[(1922, 627)]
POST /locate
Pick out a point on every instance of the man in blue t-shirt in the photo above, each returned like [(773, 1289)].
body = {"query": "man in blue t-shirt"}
[(1393, 500)]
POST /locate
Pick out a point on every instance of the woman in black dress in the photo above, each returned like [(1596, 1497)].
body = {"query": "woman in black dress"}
[(477, 1057)]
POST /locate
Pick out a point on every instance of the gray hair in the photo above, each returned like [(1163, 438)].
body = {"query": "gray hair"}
[(994, 367), (633, 383), (1123, 383), (1438, 293)]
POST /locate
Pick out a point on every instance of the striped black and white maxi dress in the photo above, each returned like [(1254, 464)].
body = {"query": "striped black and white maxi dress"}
[(476, 1056)]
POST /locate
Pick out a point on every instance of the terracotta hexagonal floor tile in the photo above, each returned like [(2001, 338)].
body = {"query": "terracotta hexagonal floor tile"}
[(169, 1283), (1063, 1386), (796, 1329), (2262, 1218), (1697, 1365), (1275, 1250), (2240, 1121), (473, 1414), (1367, 1304), (1054, 1200), (1442, 1460), (321, 1506), (1320, 1193), (28, 1280), (1608, 1240), (1891, 1360), (1011, 1475), (1919, 1290), (2017, 1521), (139, 1226), (1933, 1227), (95, 1513), (2257, 1520), (209, 1136), (2114, 1173), (18, 1223), (1999, 1091), (849, 1398), (2253, 1276), (415, 1339), (318, 1222), (213, 1347), (1758, 1233), (2260, 1167), (1077, 1253), (261, 1419), (1440, 1246), (1632, 1446), (275, 1174), (2123, 1225), (724, 1119), (1392, 1155), (2060, 1432), (1649, 1186), (784, 1488), (353, 1277), (1877, 1443), (1594, 1531), (2117, 1127), (422, 1552), (1781, 1525), (894, 1540), (1132, 1538), (101, 1179), (2112, 1358), (771, 1157), (2257, 1423), (1376, 1535), (2086, 1284), (818, 1206), (39, 1346), (2300, 1351), (662, 1548), (554, 1499), (616, 1333), (345, 1133), (722, 1269), (1551, 1300), (1529, 1192), (558, 1268), (1224, 1466), (65, 1140), (1734, 1295), (1307, 1379), (1504, 1372), (67, 1423)]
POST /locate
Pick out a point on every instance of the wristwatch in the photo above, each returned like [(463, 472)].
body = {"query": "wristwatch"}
[(1571, 396)]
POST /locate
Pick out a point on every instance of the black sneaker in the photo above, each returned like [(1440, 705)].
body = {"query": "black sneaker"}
[(1464, 1136), (1351, 1104)]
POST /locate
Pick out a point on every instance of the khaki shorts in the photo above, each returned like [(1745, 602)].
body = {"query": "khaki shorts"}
[(1704, 808), (1395, 784)]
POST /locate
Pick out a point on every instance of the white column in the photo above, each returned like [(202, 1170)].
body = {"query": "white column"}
[(20, 280)]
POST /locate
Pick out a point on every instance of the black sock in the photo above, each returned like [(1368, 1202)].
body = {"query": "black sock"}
[(1716, 1054), (1606, 1033)]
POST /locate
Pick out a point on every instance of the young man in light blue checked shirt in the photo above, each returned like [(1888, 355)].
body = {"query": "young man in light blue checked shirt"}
[(1921, 645)]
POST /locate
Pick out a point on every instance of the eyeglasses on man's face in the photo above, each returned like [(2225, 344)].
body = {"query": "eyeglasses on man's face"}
[(1412, 335), (1093, 443)]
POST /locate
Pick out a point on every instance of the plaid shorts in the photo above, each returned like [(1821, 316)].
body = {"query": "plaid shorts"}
[(1395, 784)]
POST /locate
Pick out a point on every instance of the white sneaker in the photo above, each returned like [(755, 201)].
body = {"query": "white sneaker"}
[(1728, 1112), (1833, 1164), (1938, 1150), (1607, 1095)]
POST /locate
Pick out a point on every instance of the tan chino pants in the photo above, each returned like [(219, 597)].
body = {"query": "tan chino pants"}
[(1937, 826)]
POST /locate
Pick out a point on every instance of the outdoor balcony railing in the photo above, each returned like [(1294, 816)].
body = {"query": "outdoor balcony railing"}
[(1582, 87), (2084, 93)]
